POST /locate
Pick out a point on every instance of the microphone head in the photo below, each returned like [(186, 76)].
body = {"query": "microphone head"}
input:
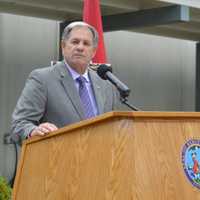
[(102, 70)]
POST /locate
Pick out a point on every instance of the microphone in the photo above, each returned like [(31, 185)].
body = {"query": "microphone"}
[(105, 72), (94, 66)]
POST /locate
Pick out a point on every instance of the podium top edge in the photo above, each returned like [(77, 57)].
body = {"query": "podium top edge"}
[(121, 114)]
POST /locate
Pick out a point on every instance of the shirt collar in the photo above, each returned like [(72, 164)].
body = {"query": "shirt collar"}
[(75, 75)]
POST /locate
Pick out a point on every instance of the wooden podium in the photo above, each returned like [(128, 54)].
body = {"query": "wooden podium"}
[(115, 156)]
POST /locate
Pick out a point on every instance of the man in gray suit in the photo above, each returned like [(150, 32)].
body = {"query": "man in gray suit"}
[(53, 96)]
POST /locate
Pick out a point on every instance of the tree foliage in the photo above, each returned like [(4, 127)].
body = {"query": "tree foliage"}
[(5, 189)]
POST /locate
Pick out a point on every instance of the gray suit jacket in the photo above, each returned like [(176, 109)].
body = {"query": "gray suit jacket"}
[(50, 95)]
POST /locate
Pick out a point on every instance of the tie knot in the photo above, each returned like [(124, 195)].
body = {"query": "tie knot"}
[(81, 80)]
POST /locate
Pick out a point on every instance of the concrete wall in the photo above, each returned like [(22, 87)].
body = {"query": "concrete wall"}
[(159, 70), (25, 43)]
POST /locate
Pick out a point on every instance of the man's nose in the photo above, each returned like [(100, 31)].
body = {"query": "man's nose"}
[(80, 46)]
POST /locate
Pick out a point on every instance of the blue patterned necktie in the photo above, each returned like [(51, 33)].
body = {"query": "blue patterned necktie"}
[(85, 98)]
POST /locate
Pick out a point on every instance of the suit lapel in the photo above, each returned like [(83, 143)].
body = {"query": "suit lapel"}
[(70, 88), (98, 92)]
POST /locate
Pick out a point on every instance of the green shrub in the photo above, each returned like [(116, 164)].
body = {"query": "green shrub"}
[(5, 189)]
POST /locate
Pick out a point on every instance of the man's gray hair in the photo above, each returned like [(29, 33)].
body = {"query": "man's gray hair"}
[(68, 29)]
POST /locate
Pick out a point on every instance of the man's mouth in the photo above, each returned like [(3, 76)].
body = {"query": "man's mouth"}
[(79, 55)]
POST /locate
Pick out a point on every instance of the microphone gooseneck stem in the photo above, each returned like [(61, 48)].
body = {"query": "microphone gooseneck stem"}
[(125, 102), (105, 73)]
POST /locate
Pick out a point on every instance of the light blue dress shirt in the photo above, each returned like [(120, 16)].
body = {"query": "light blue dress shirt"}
[(75, 75)]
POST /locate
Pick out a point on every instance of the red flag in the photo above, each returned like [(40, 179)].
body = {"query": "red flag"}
[(92, 16)]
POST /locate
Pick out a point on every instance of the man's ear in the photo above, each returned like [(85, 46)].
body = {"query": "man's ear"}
[(94, 52), (62, 44)]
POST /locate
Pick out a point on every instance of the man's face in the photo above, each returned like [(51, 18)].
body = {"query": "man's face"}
[(78, 49)]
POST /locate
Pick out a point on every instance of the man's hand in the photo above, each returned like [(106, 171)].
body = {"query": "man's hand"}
[(43, 129)]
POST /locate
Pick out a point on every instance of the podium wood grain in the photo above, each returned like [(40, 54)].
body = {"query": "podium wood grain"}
[(117, 156)]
